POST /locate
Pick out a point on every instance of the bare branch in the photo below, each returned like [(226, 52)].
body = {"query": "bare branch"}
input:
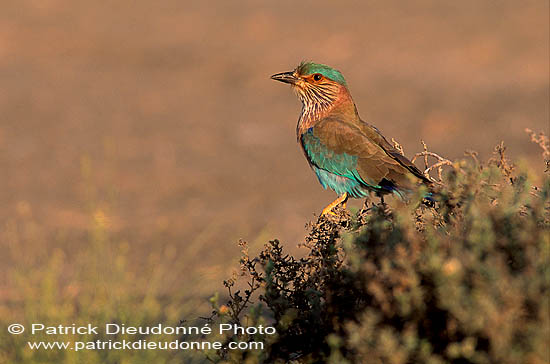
[(398, 146), (440, 162)]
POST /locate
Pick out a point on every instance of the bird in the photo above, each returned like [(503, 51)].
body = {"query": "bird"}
[(348, 155)]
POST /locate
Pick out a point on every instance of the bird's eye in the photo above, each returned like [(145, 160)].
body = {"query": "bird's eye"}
[(317, 77)]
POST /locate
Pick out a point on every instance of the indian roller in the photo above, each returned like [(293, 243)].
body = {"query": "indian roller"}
[(348, 155)]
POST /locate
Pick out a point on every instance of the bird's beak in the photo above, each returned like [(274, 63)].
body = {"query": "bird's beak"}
[(286, 77)]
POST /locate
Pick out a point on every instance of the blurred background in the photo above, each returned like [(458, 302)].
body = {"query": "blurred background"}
[(151, 130)]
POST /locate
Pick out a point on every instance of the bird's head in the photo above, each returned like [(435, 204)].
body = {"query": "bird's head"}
[(316, 84)]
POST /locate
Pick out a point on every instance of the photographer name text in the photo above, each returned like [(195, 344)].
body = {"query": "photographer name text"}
[(121, 329)]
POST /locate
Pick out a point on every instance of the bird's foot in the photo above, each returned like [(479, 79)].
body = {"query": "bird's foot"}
[(340, 201)]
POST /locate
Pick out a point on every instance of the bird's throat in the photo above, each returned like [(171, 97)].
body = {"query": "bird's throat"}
[(313, 111)]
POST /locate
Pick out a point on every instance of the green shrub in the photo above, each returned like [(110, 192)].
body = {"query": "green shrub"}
[(465, 281)]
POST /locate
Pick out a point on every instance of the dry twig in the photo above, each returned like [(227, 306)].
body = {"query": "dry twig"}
[(502, 162), (438, 165), (473, 154), (543, 142), (398, 146)]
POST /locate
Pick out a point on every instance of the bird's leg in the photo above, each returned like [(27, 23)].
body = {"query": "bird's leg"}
[(385, 209), (340, 200)]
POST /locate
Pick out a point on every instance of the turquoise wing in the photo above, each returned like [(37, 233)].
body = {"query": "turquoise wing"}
[(350, 158), (337, 171)]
